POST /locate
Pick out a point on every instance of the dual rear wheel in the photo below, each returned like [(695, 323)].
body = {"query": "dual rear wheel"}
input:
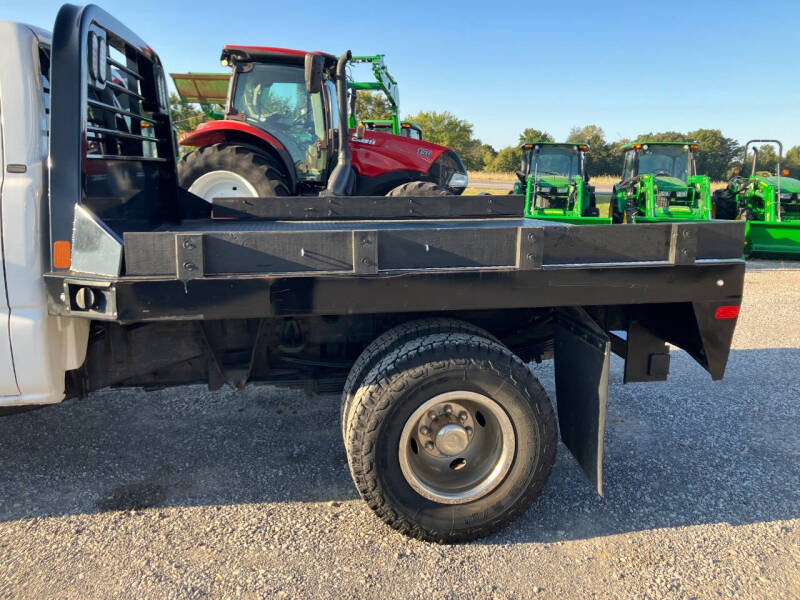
[(449, 436)]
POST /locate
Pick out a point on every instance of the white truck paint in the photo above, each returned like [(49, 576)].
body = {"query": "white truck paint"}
[(36, 349)]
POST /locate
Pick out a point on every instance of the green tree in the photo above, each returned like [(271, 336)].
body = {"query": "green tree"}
[(529, 134), (792, 161), (602, 158), (185, 116), (716, 154), (448, 130), (507, 160), (372, 106), (663, 136)]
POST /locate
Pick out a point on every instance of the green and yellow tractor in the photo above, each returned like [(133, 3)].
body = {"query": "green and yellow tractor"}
[(660, 184), (769, 203), (553, 178)]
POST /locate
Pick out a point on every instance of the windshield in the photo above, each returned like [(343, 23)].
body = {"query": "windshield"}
[(274, 98), (671, 161), (554, 160)]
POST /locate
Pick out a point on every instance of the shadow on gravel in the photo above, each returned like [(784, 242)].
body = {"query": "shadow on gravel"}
[(688, 451)]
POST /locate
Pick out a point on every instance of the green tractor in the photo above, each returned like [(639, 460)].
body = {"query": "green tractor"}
[(556, 187), (407, 128), (660, 184), (769, 203), (209, 90)]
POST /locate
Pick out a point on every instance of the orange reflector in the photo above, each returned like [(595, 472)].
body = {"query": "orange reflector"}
[(406, 125), (727, 312), (62, 252), (694, 146), (637, 146)]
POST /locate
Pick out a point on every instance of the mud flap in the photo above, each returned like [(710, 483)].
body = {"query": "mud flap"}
[(582, 360)]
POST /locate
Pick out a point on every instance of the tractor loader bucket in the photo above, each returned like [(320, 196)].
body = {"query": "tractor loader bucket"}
[(775, 238)]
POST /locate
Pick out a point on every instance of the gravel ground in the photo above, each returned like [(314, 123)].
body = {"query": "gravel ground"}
[(192, 494)]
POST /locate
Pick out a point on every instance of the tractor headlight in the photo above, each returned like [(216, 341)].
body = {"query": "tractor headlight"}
[(664, 194), (786, 196), (681, 194), (563, 190), (458, 180)]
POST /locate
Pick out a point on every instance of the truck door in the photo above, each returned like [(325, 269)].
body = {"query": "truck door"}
[(8, 381)]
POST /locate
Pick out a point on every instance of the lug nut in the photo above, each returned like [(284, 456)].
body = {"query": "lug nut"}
[(424, 430), (428, 445), (432, 416), (462, 416), (468, 430), (448, 409)]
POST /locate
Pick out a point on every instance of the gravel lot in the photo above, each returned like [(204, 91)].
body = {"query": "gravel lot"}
[(192, 494)]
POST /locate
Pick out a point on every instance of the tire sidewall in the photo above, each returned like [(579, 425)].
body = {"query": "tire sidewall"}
[(480, 377)]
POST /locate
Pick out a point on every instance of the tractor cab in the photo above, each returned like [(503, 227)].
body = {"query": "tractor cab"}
[(660, 183), (268, 90), (553, 178)]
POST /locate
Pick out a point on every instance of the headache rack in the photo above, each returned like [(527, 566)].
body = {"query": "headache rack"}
[(112, 144)]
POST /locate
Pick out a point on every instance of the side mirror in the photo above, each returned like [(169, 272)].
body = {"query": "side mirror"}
[(314, 65)]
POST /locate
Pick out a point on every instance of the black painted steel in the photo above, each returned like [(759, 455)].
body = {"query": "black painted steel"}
[(111, 141)]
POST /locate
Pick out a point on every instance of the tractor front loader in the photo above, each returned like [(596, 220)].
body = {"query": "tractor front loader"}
[(769, 203), (660, 184), (553, 178), (386, 84)]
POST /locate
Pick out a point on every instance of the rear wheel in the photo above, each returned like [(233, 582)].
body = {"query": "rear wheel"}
[(229, 170), (392, 339), (450, 437), (420, 188)]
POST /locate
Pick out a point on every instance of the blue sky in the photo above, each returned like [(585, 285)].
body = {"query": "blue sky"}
[(629, 67)]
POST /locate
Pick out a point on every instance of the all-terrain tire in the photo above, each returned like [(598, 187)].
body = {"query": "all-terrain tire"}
[(725, 205), (405, 379), (394, 337), (259, 169), (420, 188)]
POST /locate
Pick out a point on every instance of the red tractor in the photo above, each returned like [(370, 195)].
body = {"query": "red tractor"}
[(281, 135)]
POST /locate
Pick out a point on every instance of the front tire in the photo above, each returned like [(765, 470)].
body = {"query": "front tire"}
[(420, 188), (725, 206), (450, 475), (233, 171)]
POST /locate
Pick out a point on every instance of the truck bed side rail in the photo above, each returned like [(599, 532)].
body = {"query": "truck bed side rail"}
[(112, 147)]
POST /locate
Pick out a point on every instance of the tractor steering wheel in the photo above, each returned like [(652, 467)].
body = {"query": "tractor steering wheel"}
[(658, 172)]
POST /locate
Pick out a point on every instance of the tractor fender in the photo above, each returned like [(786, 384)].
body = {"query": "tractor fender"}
[(214, 132)]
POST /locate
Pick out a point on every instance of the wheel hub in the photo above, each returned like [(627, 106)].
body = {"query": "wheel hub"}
[(457, 447)]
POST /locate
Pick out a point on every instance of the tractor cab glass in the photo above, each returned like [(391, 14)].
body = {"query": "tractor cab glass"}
[(660, 161), (274, 98), (562, 161)]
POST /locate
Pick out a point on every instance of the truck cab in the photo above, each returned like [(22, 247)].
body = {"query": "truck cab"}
[(36, 349)]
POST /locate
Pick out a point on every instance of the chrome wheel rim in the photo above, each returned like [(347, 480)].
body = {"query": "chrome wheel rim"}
[(457, 447), (222, 184)]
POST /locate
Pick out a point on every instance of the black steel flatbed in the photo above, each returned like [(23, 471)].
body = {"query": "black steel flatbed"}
[(217, 269)]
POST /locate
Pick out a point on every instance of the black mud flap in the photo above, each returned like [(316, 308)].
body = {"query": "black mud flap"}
[(582, 360)]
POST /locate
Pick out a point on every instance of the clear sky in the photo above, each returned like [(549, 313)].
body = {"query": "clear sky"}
[(627, 66)]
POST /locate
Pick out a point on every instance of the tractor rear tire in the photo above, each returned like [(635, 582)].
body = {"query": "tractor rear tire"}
[(485, 395), (725, 205), (420, 188), (232, 170)]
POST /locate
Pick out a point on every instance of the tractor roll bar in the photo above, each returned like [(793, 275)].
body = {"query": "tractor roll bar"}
[(777, 170)]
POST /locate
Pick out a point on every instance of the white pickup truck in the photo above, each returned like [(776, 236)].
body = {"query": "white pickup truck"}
[(422, 311), (36, 348)]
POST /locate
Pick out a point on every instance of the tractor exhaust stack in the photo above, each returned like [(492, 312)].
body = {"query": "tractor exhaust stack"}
[(342, 180)]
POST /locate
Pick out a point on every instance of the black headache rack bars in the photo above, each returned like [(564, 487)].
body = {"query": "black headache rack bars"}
[(112, 147)]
